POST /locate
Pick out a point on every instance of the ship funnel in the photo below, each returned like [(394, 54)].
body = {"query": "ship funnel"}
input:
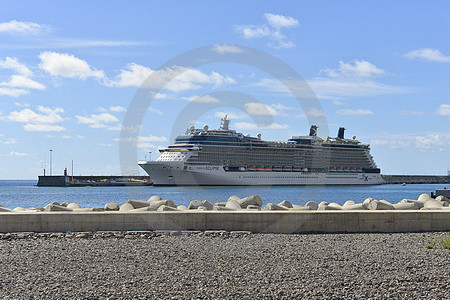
[(341, 132), (313, 130)]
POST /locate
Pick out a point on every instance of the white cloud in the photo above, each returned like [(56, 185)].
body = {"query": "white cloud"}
[(67, 65), (218, 80), (152, 109), (133, 75), (98, 125), (280, 21), (159, 95), (253, 126), (174, 79), (412, 113), (315, 112), (27, 115), (117, 108), (19, 81), (231, 115), (391, 144), (49, 110), (359, 68), (337, 102), (13, 64), (12, 92), (327, 88), (271, 30), (202, 99), (66, 137), (10, 141), (349, 80), (98, 119), (428, 54), (222, 49), (22, 104), (112, 109), (260, 109), (145, 145), (254, 31), (21, 27), (43, 127), (144, 142), (80, 137), (430, 142), (354, 112), (444, 110), (117, 127), (14, 153), (152, 138)]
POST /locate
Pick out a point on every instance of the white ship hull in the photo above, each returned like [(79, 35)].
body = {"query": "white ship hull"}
[(179, 174)]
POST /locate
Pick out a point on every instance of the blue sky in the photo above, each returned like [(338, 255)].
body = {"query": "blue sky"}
[(68, 72)]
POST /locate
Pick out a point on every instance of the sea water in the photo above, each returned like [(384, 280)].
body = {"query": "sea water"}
[(24, 193)]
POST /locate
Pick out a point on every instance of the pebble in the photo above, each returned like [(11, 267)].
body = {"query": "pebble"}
[(224, 265)]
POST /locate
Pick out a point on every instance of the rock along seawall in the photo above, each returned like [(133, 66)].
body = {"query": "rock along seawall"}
[(246, 214)]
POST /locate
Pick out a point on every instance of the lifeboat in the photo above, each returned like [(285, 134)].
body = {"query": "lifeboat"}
[(296, 169), (332, 169), (287, 168), (251, 168), (259, 168), (267, 169), (339, 169), (277, 168)]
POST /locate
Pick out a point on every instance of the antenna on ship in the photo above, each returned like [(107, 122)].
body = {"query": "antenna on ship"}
[(224, 123)]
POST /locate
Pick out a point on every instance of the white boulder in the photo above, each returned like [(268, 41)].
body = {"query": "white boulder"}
[(250, 200), (73, 205), (111, 206)]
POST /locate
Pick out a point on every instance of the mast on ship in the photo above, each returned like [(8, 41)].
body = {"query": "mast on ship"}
[(224, 123)]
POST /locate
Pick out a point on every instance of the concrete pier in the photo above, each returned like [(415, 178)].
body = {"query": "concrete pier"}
[(254, 221), (416, 179), (74, 181)]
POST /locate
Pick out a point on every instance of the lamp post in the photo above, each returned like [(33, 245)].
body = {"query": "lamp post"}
[(51, 163), (150, 157)]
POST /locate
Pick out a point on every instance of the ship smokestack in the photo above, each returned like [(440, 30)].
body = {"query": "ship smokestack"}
[(313, 130), (341, 132)]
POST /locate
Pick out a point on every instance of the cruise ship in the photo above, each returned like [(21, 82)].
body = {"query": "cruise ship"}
[(226, 157)]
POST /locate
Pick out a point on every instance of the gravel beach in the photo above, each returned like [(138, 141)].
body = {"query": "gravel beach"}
[(223, 265)]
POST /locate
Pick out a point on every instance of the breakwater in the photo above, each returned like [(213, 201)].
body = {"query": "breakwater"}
[(416, 179), (79, 181), (236, 214)]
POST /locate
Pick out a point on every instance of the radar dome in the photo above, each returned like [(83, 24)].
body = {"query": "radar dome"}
[(205, 128), (192, 128), (258, 135)]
